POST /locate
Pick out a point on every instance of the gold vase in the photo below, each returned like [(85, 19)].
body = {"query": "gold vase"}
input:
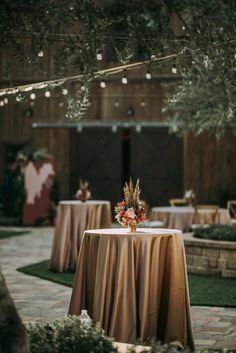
[(84, 196), (132, 228)]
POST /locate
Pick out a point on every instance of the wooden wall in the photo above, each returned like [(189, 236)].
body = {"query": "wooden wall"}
[(209, 165)]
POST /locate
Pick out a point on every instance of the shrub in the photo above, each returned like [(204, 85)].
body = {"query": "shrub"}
[(75, 335), (221, 232), (70, 335)]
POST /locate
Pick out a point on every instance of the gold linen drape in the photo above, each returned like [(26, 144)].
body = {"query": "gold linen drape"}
[(73, 219), (183, 217), (135, 285)]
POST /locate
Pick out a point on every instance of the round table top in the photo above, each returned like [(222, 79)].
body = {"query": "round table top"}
[(88, 202), (139, 232), (184, 209)]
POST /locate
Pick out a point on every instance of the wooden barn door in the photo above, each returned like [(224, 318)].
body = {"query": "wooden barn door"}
[(96, 155), (156, 159)]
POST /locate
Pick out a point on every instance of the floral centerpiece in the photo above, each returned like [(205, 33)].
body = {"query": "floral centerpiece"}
[(130, 211), (189, 196), (83, 194)]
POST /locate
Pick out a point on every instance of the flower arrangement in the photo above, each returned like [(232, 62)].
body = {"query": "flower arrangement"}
[(130, 211), (189, 196), (83, 193)]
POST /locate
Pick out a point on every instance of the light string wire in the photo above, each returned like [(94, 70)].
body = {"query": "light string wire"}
[(71, 79)]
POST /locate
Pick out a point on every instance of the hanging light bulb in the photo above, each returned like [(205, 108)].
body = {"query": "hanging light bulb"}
[(143, 103), (2, 93), (124, 79), (99, 56), (174, 69), (83, 88), (47, 94), (40, 54), (65, 91), (148, 75), (116, 104), (32, 96), (102, 84), (1, 103), (5, 100), (183, 28), (205, 61)]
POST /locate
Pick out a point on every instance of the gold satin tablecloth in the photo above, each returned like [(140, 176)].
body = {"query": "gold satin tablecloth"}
[(135, 285), (179, 217), (73, 218)]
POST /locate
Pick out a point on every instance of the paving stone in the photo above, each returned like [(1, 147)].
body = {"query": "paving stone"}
[(40, 301)]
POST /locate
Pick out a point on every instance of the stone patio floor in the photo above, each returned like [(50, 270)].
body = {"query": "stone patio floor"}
[(39, 300)]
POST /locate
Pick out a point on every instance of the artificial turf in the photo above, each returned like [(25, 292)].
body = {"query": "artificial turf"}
[(204, 290), (12, 233)]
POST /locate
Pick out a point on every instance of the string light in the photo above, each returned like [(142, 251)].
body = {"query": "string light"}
[(124, 79), (99, 56), (183, 28), (143, 103), (33, 96), (5, 100), (47, 94), (14, 91), (41, 86), (27, 89), (116, 104), (174, 69), (61, 104), (82, 88), (1, 103), (102, 84), (148, 75), (110, 71), (65, 91), (114, 129), (40, 54)]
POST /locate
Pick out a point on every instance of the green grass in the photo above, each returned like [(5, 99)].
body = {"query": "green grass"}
[(212, 291), (41, 270), (12, 233), (204, 290)]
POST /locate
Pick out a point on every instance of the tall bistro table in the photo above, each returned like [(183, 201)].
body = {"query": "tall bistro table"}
[(135, 285), (73, 218), (182, 218)]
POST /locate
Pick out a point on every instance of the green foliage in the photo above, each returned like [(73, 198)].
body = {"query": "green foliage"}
[(204, 41), (13, 192), (216, 232), (70, 335), (205, 99)]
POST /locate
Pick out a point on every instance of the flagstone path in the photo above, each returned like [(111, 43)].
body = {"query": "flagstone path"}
[(39, 300)]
